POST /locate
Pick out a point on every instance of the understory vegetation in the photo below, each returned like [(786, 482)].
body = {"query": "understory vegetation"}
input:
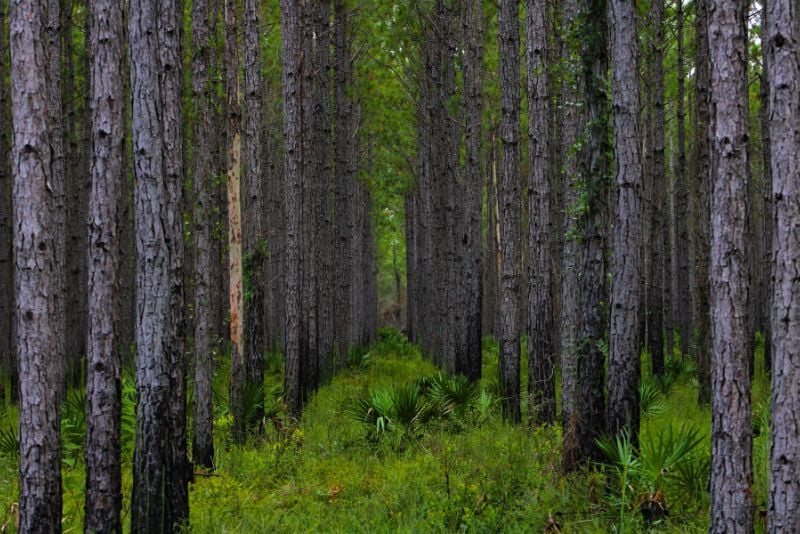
[(391, 444)]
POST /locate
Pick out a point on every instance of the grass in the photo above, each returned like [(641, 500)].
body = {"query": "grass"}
[(327, 475)]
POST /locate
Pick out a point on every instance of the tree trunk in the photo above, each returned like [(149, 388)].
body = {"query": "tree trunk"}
[(701, 217), (159, 501), (103, 475), (509, 200), (624, 364), (291, 26), (57, 182), (253, 205), (541, 357), (784, 108), (731, 436), (469, 356), (35, 278), (7, 359), (768, 212), (202, 175), (657, 237), (343, 187), (323, 188), (235, 289)]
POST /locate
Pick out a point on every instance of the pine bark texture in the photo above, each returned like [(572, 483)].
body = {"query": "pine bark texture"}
[(160, 498), (7, 357), (57, 183), (657, 236), (202, 440), (103, 467), (253, 198), (469, 351), (731, 435), (624, 365), (35, 275), (509, 201), (541, 353), (291, 30), (784, 108), (701, 202)]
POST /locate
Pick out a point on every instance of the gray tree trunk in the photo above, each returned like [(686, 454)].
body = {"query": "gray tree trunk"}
[(731, 435), (35, 278), (624, 363), (292, 38), (253, 198), (768, 211), (323, 189), (202, 175), (103, 382), (7, 359), (701, 218), (784, 107), (159, 501), (58, 184), (541, 353), (509, 201), (343, 187), (469, 356), (657, 235)]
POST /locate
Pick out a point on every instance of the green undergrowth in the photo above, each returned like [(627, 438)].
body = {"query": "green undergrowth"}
[(441, 460)]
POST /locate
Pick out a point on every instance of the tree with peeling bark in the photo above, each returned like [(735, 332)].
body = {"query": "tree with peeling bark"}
[(103, 382), (784, 104), (35, 281), (731, 433), (235, 278)]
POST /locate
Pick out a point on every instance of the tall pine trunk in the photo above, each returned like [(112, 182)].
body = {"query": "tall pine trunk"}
[(541, 353), (624, 364), (731, 434), (35, 277), (509, 201), (103, 475), (160, 497), (784, 107)]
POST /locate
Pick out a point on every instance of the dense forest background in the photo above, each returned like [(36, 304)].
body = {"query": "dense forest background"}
[(442, 265)]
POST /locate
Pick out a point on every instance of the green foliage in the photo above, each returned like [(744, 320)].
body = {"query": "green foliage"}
[(663, 465), (650, 402)]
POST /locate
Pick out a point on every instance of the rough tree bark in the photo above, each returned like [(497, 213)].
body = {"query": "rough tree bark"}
[(784, 107), (292, 39), (701, 184), (35, 278), (160, 497), (731, 434), (541, 357), (57, 182), (768, 213), (469, 356), (202, 175), (103, 382), (253, 201), (624, 363), (343, 189), (7, 359), (657, 236), (509, 200)]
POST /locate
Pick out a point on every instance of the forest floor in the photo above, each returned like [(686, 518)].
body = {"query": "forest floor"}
[(467, 471)]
